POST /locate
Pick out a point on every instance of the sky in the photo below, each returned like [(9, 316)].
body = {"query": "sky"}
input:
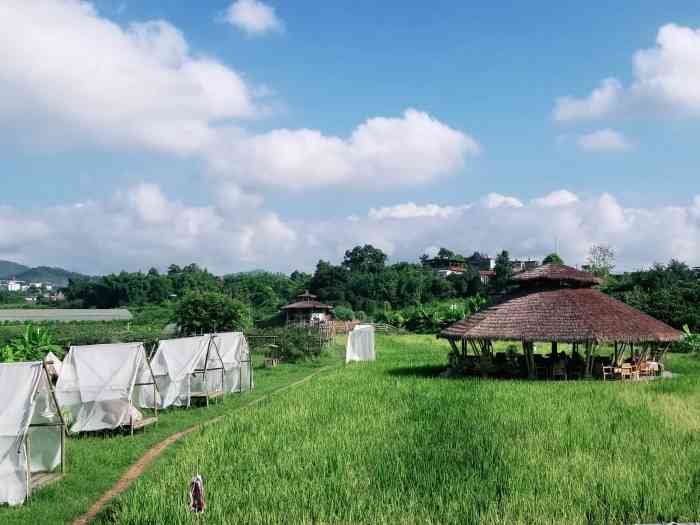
[(270, 134)]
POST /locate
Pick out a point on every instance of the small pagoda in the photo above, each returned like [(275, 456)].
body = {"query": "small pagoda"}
[(308, 310), (555, 304)]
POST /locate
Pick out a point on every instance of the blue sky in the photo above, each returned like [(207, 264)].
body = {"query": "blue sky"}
[(88, 139)]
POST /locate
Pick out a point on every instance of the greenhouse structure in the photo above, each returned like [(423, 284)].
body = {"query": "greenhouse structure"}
[(98, 385), (31, 431), (185, 369)]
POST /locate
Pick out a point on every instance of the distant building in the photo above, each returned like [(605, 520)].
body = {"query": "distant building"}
[(522, 265), (481, 262), (486, 276), (14, 286), (448, 265), (308, 310)]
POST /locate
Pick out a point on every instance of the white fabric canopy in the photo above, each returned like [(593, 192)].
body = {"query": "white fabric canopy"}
[(97, 385), (234, 351), (174, 365), (53, 364), (360, 345), (26, 400)]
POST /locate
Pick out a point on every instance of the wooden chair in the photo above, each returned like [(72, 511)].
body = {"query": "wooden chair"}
[(559, 370), (645, 369), (629, 371), (608, 373)]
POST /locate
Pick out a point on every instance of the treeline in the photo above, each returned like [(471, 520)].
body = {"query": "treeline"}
[(361, 285), (668, 292)]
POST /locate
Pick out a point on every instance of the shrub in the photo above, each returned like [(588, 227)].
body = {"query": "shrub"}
[(33, 345), (690, 344), (343, 313), (210, 312), (293, 343)]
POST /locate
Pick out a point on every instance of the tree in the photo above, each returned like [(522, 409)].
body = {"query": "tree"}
[(601, 260), (444, 253), (200, 312), (553, 258), (365, 258), (504, 271)]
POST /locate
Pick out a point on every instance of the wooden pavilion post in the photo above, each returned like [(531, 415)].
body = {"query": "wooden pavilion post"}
[(529, 351), (554, 349)]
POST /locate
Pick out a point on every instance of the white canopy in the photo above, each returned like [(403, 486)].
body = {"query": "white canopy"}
[(360, 345), (178, 366), (235, 355), (53, 364), (97, 385), (26, 396)]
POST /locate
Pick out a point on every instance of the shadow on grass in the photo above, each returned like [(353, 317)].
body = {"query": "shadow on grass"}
[(418, 371)]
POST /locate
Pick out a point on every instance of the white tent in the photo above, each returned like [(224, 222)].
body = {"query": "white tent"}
[(360, 345), (98, 385), (53, 365), (186, 368), (235, 354), (31, 429)]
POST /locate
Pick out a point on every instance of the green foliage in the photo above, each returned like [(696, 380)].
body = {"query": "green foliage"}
[(201, 312), (366, 283), (504, 271), (690, 344), (365, 258), (343, 313), (32, 345), (553, 258), (433, 317), (266, 292), (669, 292)]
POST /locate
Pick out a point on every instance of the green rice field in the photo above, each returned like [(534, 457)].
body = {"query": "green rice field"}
[(394, 442)]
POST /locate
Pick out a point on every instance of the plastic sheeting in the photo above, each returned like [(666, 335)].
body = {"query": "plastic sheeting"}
[(26, 399), (53, 364), (360, 345), (97, 385), (234, 351), (174, 365)]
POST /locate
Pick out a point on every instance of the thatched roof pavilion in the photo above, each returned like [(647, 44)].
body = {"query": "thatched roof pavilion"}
[(307, 308), (556, 303)]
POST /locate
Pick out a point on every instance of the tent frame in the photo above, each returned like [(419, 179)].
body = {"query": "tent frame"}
[(144, 422), (208, 394), (32, 481)]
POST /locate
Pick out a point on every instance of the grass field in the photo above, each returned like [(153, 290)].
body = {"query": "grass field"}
[(94, 464), (392, 442)]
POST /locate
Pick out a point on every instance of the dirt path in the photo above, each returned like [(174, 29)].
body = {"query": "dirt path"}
[(137, 469)]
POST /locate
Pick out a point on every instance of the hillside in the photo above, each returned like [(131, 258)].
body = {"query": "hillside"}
[(46, 274), (10, 269), (41, 274)]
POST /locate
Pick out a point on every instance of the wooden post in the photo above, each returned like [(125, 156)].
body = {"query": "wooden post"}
[(529, 359), (554, 349)]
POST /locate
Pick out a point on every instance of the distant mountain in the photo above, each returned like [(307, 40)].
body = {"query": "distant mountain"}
[(10, 269), (40, 274)]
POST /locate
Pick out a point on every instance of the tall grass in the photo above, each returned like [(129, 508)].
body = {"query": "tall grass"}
[(393, 442), (95, 463)]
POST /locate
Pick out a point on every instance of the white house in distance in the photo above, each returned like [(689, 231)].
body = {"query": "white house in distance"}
[(14, 286)]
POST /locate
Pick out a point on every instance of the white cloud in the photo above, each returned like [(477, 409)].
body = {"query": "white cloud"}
[(601, 102), (141, 227), (556, 198), (496, 200), (666, 79), (603, 141), (380, 153), (85, 78), (253, 17), (70, 76), (411, 211)]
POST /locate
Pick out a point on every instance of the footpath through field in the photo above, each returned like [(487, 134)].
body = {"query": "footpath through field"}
[(137, 469)]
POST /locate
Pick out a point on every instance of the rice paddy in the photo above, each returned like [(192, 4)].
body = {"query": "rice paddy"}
[(394, 442)]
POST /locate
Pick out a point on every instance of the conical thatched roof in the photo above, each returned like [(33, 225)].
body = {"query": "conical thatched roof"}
[(562, 313), (557, 273)]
